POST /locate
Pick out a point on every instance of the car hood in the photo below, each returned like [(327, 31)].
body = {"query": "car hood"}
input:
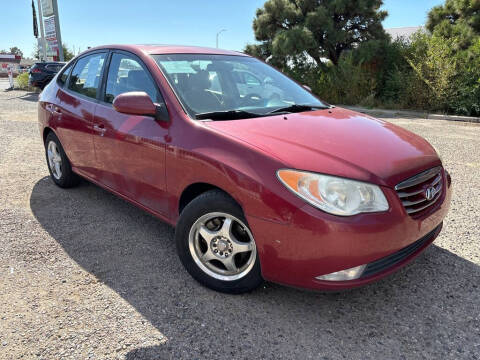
[(338, 142)]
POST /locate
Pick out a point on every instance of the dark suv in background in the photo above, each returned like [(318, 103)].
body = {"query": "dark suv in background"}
[(41, 73)]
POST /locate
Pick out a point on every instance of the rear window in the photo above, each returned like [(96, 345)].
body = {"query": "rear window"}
[(55, 67)]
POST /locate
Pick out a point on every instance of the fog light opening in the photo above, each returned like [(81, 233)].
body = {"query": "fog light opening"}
[(344, 275)]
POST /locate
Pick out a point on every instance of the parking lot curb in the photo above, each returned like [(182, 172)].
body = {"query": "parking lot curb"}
[(416, 114)]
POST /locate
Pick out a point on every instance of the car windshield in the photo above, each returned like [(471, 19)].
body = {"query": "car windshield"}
[(229, 86)]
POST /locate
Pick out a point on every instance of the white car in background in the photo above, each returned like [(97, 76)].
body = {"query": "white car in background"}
[(250, 84)]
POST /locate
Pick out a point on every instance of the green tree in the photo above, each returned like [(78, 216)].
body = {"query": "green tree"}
[(15, 50), (67, 53), (36, 51), (320, 28), (456, 18)]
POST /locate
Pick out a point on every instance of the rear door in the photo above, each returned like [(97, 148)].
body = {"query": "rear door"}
[(130, 149), (76, 102)]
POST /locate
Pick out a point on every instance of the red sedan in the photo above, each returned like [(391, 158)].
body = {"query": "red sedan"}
[(261, 179)]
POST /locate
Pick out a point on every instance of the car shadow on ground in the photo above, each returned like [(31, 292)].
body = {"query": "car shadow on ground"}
[(420, 311), (29, 96)]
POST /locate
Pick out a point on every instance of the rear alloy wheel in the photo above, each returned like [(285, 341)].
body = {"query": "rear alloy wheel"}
[(216, 246), (54, 160)]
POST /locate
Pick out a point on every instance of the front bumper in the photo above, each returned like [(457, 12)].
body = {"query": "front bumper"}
[(315, 243)]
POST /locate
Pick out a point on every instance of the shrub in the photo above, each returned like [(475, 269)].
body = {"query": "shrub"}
[(22, 81), (451, 76), (428, 73), (347, 83)]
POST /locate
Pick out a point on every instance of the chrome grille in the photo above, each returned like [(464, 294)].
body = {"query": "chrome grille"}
[(421, 191)]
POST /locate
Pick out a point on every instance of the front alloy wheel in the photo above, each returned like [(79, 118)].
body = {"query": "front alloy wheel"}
[(216, 246), (222, 246)]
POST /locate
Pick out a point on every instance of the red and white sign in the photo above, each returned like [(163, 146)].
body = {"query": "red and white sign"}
[(50, 32), (52, 47), (51, 36)]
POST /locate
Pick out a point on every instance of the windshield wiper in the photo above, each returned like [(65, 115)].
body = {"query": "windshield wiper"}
[(299, 108), (227, 115)]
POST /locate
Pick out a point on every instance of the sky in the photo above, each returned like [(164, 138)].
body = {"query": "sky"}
[(87, 23)]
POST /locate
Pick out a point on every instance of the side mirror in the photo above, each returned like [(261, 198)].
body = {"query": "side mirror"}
[(308, 88), (139, 103)]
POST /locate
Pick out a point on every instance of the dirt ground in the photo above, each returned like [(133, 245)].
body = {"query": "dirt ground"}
[(84, 275)]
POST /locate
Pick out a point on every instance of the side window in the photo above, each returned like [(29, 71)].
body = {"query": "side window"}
[(62, 78), (85, 77), (125, 74)]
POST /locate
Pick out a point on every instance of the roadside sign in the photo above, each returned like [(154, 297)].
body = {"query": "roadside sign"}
[(50, 32), (52, 47), (47, 7), (51, 36)]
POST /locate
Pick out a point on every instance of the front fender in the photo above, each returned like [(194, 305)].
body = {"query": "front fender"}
[(242, 171)]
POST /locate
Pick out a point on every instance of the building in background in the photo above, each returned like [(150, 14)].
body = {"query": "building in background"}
[(404, 32), (7, 60)]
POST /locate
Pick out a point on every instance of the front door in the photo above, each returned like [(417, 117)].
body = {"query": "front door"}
[(75, 111), (130, 149)]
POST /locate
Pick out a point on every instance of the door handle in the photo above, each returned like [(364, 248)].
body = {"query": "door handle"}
[(54, 110), (100, 128)]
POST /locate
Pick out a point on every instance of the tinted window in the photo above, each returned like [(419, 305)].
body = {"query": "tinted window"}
[(126, 74), (85, 77), (62, 78), (55, 67)]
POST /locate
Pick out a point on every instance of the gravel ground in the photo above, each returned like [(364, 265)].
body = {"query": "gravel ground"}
[(84, 275)]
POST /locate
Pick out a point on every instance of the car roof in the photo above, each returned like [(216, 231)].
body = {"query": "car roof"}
[(152, 49)]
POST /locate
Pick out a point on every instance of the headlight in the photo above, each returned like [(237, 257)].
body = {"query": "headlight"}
[(334, 195), (438, 153)]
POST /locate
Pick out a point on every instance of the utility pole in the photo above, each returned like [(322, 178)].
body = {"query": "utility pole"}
[(42, 34), (218, 33), (57, 29)]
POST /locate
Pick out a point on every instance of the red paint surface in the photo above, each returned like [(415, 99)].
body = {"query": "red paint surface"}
[(151, 163)]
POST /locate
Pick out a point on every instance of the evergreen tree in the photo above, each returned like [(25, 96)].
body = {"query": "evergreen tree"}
[(320, 28)]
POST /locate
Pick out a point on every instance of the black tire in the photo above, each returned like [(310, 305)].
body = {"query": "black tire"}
[(68, 178), (208, 202)]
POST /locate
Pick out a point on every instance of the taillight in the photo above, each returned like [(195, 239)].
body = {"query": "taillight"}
[(36, 71)]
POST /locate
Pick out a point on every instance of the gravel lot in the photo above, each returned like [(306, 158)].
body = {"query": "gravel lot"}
[(84, 275)]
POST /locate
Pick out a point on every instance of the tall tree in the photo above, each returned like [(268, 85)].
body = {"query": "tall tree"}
[(15, 50), (456, 18), (36, 51), (320, 28), (67, 54)]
